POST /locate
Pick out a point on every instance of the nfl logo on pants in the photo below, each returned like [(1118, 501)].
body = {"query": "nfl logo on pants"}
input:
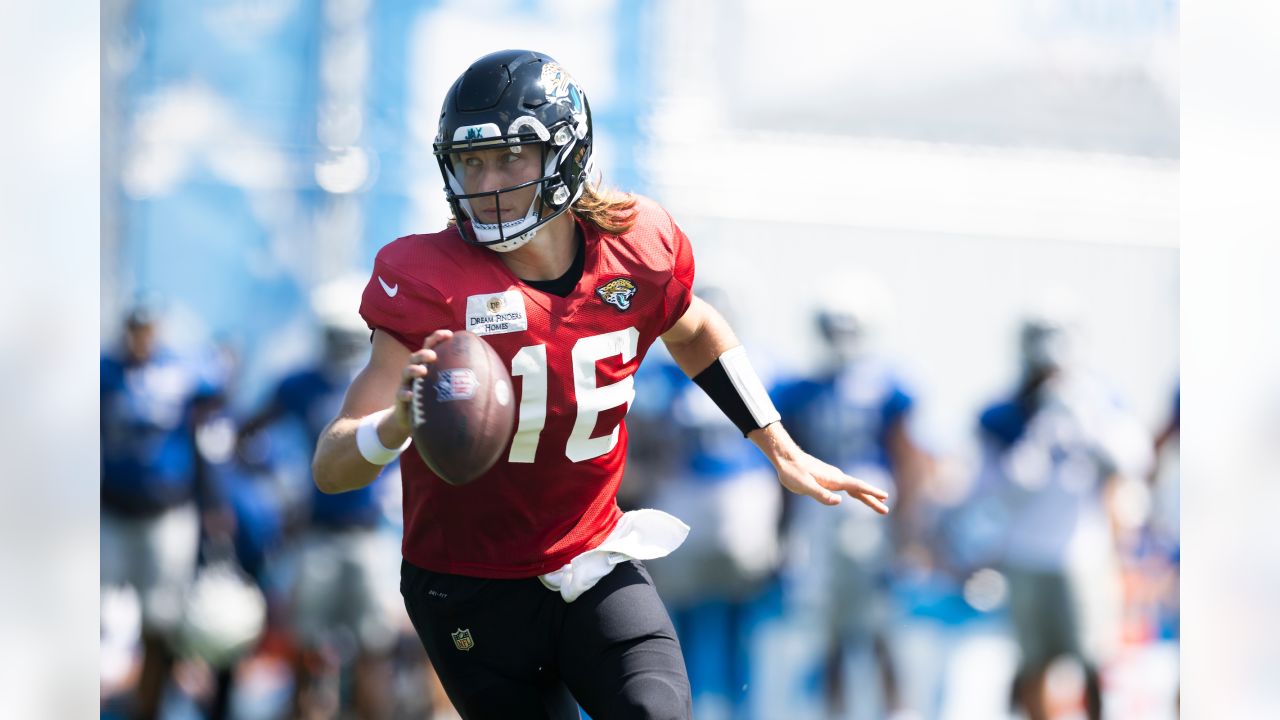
[(462, 639)]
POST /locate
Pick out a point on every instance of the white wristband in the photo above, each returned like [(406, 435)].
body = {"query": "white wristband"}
[(371, 447), (745, 380)]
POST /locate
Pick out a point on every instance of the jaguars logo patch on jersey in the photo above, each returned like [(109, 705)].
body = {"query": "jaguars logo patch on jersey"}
[(617, 293)]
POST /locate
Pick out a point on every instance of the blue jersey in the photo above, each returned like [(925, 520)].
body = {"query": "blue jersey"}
[(312, 398), (710, 446), (148, 451), (1046, 460), (1004, 422), (844, 417)]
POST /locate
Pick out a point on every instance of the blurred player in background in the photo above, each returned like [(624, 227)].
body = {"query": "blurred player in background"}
[(1057, 451), (156, 496), (855, 412), (225, 611), (339, 608), (1158, 556), (1166, 475), (694, 463), (525, 585)]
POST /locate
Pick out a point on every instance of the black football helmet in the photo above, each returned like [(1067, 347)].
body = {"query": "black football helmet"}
[(516, 98)]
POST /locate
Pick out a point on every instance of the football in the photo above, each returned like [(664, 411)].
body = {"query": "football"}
[(462, 411)]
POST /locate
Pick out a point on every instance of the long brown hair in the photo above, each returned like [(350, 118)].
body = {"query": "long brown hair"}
[(611, 212)]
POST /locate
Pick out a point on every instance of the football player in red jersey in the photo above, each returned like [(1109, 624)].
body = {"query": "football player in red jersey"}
[(526, 585)]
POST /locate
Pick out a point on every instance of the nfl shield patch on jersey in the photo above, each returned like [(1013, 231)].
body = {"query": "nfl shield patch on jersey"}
[(462, 639)]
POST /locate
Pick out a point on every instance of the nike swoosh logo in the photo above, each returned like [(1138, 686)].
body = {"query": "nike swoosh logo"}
[(391, 290)]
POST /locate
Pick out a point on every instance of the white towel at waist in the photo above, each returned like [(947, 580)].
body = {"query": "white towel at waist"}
[(639, 535)]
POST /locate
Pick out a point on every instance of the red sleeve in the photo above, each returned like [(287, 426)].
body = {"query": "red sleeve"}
[(401, 306), (679, 292)]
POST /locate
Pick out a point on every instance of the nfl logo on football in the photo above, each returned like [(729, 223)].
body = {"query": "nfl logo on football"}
[(462, 639), (456, 384)]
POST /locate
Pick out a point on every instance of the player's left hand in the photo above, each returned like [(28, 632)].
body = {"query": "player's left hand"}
[(804, 474)]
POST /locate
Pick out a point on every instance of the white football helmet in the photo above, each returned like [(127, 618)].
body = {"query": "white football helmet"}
[(855, 309), (225, 615)]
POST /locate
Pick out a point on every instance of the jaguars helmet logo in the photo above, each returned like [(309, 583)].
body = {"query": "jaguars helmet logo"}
[(617, 293), (560, 86)]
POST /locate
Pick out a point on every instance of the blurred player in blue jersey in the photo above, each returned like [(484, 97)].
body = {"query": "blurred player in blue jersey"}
[(854, 412), (1164, 528), (690, 459), (153, 488), (1165, 476), (1056, 451), (343, 595)]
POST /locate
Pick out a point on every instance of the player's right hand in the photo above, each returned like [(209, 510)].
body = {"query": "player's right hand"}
[(417, 367)]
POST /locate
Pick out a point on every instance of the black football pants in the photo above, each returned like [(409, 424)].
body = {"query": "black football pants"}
[(514, 649)]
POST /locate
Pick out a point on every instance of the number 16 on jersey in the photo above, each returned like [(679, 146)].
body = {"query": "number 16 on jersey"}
[(530, 364)]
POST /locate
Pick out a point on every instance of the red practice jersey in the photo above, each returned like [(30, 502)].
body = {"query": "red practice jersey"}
[(552, 493)]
